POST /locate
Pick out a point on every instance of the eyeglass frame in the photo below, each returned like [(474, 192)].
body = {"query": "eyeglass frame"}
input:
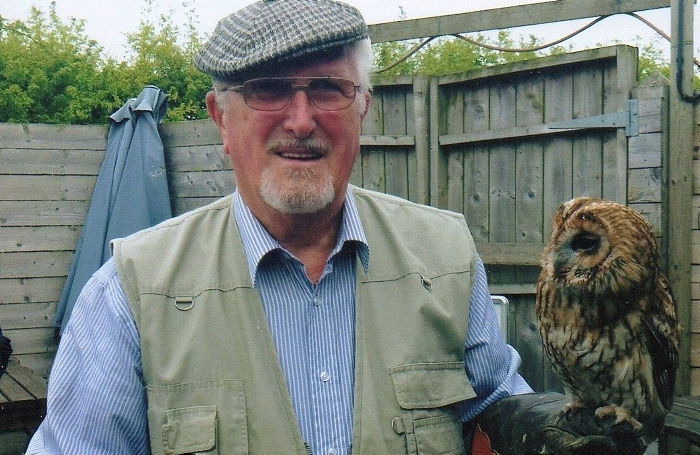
[(294, 88)]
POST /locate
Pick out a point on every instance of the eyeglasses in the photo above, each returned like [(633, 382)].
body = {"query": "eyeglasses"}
[(275, 93)]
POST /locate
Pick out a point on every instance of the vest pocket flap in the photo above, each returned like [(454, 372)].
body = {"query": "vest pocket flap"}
[(190, 430), (431, 385)]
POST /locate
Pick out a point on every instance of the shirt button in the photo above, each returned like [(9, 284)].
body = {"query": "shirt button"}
[(317, 301), (325, 377), (332, 452)]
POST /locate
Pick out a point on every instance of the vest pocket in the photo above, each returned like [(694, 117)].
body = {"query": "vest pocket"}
[(203, 417), (429, 395), (190, 431)]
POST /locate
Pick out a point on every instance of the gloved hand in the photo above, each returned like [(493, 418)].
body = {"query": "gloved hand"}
[(534, 424)]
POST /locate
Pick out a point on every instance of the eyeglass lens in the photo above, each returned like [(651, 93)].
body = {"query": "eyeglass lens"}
[(326, 93)]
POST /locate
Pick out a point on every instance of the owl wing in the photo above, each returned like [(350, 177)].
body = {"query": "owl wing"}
[(662, 342)]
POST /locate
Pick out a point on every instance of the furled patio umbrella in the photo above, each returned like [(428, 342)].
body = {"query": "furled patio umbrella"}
[(131, 192)]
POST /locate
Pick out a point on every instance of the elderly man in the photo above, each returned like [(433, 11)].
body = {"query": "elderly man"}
[(300, 314)]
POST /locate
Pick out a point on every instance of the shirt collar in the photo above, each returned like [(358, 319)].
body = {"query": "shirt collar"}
[(257, 242)]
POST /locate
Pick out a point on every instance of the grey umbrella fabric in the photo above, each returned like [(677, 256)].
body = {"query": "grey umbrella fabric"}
[(131, 192)]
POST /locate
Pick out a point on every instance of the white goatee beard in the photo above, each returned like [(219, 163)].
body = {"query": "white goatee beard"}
[(303, 192), (299, 191)]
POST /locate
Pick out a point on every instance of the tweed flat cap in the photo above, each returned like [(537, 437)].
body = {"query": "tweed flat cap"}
[(270, 32)]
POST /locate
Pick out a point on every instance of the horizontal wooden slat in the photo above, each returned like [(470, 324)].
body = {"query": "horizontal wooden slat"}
[(194, 132), (645, 151), (51, 161), (510, 253), (209, 157), (38, 238), (386, 141), (31, 290), (52, 137), (512, 289), (181, 205), (27, 315), (649, 115), (42, 213), (202, 184), (47, 188), (31, 341), (33, 265)]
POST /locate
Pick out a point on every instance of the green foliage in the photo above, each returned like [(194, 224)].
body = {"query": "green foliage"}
[(47, 70), (451, 55), (52, 72), (652, 60), (158, 59)]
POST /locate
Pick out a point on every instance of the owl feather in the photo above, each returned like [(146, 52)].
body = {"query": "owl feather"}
[(607, 315)]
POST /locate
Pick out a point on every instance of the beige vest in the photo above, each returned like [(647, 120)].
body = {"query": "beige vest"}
[(213, 380)]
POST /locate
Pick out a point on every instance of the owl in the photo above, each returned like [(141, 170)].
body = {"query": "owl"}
[(607, 316)]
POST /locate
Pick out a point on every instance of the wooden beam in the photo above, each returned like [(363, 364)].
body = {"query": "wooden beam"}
[(680, 191), (501, 134), (421, 120), (503, 18)]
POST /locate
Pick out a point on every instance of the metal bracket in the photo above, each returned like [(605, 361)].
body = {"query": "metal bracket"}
[(628, 119)]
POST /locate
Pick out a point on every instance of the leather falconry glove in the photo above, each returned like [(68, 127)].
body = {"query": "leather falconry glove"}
[(535, 424)]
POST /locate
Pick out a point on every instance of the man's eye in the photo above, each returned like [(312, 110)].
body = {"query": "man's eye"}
[(326, 85), (270, 89)]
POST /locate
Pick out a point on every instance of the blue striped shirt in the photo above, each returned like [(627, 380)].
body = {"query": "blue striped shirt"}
[(97, 403)]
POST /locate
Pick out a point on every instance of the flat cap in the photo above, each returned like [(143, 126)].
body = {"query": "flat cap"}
[(270, 32)]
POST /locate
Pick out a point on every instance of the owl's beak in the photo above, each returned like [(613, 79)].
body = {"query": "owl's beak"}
[(562, 261)]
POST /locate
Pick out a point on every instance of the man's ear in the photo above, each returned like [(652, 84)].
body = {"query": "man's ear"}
[(213, 109), (216, 113), (368, 99)]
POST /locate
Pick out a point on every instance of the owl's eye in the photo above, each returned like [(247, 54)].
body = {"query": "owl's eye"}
[(585, 242)]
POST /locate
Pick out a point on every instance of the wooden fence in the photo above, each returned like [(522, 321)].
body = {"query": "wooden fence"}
[(496, 144)]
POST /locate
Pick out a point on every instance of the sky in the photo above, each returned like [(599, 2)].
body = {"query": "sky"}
[(108, 23)]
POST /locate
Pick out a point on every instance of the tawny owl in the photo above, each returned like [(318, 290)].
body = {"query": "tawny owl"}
[(607, 317)]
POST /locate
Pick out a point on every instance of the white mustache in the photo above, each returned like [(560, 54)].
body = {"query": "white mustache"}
[(310, 145)]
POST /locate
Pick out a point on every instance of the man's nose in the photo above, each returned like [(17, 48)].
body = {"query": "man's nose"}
[(300, 114)]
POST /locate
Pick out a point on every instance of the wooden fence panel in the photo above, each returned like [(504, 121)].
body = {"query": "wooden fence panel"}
[(47, 174), (478, 143)]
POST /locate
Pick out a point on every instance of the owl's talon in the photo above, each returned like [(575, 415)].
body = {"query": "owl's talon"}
[(570, 409), (621, 417)]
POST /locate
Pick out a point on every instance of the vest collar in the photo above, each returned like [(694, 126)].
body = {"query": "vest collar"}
[(257, 242)]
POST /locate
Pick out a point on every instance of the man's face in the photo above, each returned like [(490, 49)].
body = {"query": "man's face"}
[(296, 160)]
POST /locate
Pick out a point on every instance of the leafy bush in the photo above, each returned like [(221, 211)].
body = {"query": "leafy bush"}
[(52, 72)]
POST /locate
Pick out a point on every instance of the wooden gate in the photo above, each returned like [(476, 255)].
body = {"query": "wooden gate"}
[(505, 146)]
